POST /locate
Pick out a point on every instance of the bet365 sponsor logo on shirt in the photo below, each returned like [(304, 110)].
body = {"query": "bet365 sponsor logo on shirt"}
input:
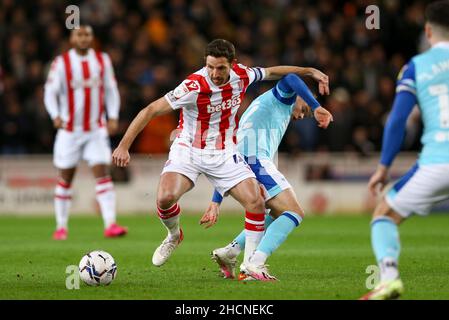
[(227, 104)]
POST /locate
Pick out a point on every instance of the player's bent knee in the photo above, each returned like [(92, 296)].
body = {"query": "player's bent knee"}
[(255, 204), (296, 208), (166, 199), (383, 209), (280, 205)]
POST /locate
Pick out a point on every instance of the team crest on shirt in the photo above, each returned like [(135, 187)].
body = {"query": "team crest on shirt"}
[(192, 85), (184, 88)]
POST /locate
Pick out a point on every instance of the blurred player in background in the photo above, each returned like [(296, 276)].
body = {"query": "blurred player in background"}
[(262, 127), (209, 100), (423, 81), (80, 83)]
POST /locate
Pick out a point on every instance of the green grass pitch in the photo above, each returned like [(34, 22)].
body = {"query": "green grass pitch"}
[(325, 258)]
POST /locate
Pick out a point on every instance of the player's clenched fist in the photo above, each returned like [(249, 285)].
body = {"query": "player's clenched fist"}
[(379, 178), (121, 157), (323, 117), (58, 123)]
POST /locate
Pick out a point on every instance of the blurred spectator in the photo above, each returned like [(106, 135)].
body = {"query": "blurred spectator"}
[(361, 142), (154, 44), (318, 172), (338, 134), (15, 127)]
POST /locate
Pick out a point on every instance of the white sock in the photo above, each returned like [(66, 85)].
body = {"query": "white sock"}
[(254, 230), (388, 269), (252, 241), (259, 257), (170, 219), (106, 199), (63, 200)]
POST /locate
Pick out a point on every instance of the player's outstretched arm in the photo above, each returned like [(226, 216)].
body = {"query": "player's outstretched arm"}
[(120, 156), (394, 130), (277, 72), (294, 83), (210, 217)]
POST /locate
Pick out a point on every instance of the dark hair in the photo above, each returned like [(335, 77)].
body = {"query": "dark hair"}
[(84, 25), (220, 48), (438, 13)]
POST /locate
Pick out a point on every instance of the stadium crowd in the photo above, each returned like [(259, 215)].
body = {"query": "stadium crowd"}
[(154, 44)]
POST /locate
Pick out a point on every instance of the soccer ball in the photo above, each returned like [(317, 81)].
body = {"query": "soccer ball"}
[(97, 268)]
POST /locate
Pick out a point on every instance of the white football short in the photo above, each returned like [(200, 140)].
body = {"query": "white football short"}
[(269, 177), (71, 147), (223, 170), (419, 189)]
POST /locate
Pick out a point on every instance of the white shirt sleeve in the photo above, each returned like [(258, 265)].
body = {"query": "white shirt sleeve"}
[(53, 87), (111, 94), (184, 95)]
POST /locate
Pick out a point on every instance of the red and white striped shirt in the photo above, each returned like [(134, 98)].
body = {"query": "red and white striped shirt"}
[(208, 116), (78, 87)]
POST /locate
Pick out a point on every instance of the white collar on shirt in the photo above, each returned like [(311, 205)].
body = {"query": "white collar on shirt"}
[(441, 44)]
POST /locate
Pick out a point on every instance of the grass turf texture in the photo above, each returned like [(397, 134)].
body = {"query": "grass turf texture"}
[(325, 258)]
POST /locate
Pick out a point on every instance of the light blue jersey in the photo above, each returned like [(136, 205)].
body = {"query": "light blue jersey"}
[(428, 79), (264, 123), (262, 127), (424, 81)]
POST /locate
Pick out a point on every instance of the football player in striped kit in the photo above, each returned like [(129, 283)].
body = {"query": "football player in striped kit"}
[(209, 100), (262, 127), (79, 86)]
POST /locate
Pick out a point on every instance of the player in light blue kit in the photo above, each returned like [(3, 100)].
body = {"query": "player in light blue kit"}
[(424, 81), (260, 132)]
